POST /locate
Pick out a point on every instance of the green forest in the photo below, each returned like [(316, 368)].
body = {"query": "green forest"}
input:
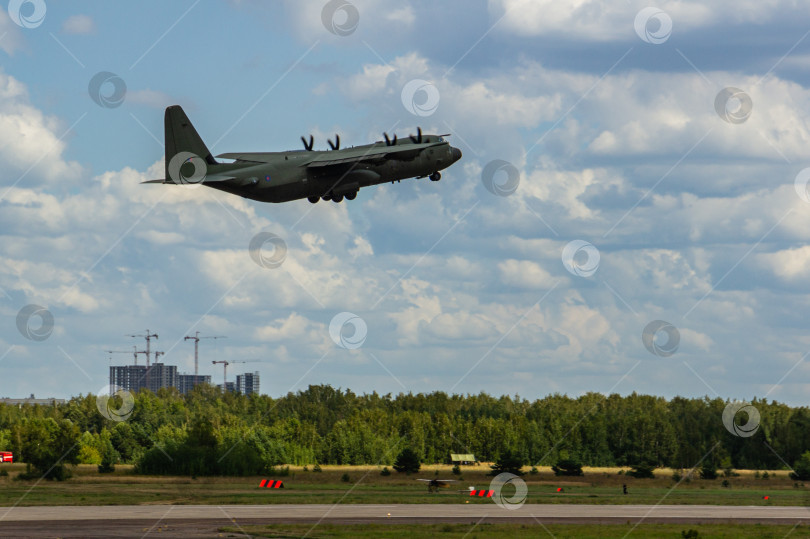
[(211, 433)]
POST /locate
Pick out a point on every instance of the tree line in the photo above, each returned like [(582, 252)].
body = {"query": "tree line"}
[(210, 433)]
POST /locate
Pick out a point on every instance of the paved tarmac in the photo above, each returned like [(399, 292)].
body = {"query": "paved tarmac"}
[(204, 520)]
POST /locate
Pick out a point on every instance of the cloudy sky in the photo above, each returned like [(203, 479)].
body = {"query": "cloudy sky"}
[(667, 142)]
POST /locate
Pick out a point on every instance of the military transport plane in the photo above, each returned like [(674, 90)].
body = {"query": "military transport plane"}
[(435, 484), (292, 175)]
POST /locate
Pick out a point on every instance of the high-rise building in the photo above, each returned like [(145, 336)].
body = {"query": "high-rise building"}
[(247, 383), (161, 375), (134, 377), (129, 377), (187, 382)]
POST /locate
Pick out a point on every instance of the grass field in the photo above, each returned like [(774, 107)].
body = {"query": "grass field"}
[(498, 531), (366, 485)]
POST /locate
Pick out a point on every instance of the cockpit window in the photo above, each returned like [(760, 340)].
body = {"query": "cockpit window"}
[(440, 139)]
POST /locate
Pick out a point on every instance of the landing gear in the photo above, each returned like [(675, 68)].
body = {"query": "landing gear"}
[(334, 198), (436, 176), (313, 199)]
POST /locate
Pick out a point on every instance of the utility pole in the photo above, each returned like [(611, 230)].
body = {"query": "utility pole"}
[(148, 336), (196, 338)]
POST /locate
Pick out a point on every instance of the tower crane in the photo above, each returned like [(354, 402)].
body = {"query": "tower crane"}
[(225, 364), (134, 352), (148, 336), (196, 338)]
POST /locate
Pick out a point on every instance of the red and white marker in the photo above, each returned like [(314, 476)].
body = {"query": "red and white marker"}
[(270, 483)]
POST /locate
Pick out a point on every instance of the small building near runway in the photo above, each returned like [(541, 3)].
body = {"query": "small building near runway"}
[(463, 459)]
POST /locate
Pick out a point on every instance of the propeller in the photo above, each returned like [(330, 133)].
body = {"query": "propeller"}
[(308, 147), (390, 142), (336, 145), (418, 138)]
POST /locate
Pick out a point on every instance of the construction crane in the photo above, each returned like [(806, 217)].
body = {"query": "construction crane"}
[(225, 364), (148, 336), (134, 353), (196, 338)]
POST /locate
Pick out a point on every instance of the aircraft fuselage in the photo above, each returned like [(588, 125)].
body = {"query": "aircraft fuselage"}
[(292, 175), (289, 175)]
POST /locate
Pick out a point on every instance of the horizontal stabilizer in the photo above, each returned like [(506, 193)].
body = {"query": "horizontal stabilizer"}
[(209, 178)]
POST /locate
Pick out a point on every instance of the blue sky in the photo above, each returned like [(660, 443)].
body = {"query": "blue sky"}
[(616, 139)]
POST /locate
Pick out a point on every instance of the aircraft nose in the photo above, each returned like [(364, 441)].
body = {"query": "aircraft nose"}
[(456, 153)]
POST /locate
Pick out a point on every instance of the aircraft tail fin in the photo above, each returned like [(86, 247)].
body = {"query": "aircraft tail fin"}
[(180, 136)]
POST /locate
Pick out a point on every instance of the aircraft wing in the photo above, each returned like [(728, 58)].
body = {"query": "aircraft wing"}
[(342, 157), (404, 152), (328, 161), (439, 480), (321, 161)]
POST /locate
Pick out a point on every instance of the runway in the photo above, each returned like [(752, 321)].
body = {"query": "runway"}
[(203, 520)]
